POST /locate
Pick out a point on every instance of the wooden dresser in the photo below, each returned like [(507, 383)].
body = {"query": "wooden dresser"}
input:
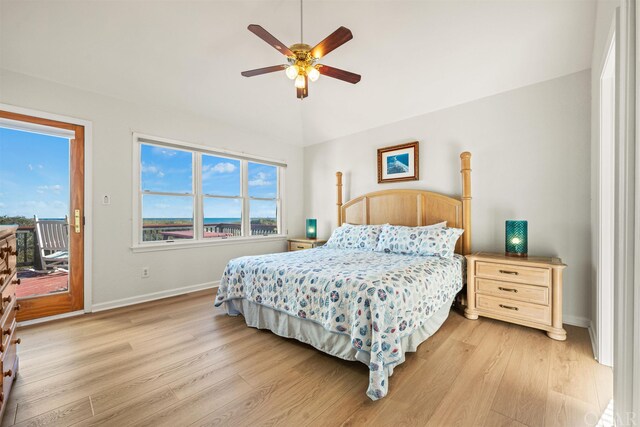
[(9, 305), (302, 243), (526, 291)]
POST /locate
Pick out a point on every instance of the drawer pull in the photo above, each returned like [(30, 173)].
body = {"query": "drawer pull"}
[(514, 273), (8, 373), (1, 396), (17, 282), (300, 247), (508, 307), (515, 291), (17, 341), (6, 331), (6, 299), (7, 271), (17, 307)]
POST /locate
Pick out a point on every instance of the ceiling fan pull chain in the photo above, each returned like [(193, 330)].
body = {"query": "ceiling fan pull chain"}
[(301, 38)]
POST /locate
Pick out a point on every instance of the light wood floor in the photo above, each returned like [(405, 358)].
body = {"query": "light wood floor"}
[(179, 362)]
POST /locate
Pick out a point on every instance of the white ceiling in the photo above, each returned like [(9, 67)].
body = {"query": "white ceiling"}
[(414, 56)]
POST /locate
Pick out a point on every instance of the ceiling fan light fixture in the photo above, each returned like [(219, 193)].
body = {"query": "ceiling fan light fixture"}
[(292, 71), (313, 73), (300, 81)]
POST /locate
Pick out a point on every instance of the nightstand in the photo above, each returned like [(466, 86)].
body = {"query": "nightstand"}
[(302, 243), (522, 290)]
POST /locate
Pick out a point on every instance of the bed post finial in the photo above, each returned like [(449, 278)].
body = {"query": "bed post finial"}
[(339, 185), (465, 170)]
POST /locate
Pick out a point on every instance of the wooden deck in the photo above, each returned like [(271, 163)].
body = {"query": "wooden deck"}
[(180, 361), (32, 283)]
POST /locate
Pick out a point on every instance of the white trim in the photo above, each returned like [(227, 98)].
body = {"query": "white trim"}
[(606, 206), (151, 139), (36, 128), (593, 335), (124, 302), (88, 188), (187, 244), (579, 321), (50, 318)]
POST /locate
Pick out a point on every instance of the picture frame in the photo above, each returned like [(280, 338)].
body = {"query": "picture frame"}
[(398, 163)]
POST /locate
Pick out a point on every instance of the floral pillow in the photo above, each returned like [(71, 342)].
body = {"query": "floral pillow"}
[(350, 236), (434, 241)]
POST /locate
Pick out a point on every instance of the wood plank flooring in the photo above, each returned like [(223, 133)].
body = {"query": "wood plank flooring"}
[(181, 362)]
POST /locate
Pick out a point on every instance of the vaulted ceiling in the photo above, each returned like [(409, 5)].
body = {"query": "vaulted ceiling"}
[(414, 56)]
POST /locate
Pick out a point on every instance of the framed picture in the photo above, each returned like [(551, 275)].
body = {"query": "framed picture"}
[(398, 163)]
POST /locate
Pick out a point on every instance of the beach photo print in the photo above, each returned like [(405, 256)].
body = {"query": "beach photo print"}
[(398, 163)]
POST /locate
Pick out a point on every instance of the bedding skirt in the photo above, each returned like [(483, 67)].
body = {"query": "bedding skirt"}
[(333, 343)]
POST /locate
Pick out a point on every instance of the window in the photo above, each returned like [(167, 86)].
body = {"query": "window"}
[(188, 193)]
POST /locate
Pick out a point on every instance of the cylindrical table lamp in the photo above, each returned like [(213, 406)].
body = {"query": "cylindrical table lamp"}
[(516, 236), (312, 229)]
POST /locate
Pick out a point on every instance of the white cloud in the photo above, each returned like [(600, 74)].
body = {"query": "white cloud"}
[(260, 179), (55, 189), (224, 167), (2, 205), (155, 170), (30, 166)]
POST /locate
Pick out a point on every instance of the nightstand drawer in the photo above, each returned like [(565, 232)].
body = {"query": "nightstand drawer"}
[(298, 246), (514, 273), (513, 291), (506, 309)]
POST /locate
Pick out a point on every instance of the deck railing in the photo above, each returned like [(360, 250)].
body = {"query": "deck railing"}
[(27, 246), (164, 231)]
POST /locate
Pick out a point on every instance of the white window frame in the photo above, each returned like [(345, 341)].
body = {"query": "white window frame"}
[(138, 245)]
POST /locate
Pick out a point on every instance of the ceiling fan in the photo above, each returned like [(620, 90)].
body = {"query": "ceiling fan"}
[(302, 59)]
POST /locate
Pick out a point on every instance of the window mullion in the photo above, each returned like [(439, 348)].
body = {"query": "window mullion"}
[(198, 220), (246, 220)]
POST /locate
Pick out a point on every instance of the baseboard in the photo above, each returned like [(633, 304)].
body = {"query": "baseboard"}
[(153, 296), (50, 318), (594, 340), (582, 322)]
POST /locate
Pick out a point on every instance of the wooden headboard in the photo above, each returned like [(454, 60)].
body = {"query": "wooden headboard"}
[(413, 207)]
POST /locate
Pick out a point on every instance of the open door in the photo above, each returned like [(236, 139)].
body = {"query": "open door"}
[(42, 167)]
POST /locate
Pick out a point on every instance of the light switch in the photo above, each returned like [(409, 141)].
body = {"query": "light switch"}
[(106, 199)]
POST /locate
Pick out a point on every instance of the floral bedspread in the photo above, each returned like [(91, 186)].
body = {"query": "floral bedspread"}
[(376, 298)]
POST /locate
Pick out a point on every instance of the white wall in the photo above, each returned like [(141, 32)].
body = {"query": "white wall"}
[(605, 15), (116, 270), (531, 160)]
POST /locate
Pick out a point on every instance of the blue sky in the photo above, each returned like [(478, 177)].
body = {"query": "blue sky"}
[(170, 171), (34, 176)]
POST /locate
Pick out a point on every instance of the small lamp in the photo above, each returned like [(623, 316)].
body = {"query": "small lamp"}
[(516, 234), (312, 229)]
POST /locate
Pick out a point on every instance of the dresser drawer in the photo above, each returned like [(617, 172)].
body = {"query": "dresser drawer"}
[(514, 273), (298, 246), (513, 291), (8, 293), (510, 309), (9, 368), (8, 325)]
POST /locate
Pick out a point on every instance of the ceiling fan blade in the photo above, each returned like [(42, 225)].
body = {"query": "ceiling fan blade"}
[(264, 70), (333, 41), (266, 36), (339, 74), (304, 92)]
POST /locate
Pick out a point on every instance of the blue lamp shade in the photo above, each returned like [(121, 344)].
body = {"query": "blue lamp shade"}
[(312, 228), (516, 236)]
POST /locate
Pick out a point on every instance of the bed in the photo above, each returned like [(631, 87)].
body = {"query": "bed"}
[(355, 304)]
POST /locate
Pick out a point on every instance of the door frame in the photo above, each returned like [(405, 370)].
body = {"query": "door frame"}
[(606, 204), (88, 201)]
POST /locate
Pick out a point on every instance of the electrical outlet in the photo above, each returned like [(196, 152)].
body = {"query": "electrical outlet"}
[(145, 272)]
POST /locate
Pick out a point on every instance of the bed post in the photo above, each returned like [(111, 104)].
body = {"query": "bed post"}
[(339, 185), (465, 170)]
